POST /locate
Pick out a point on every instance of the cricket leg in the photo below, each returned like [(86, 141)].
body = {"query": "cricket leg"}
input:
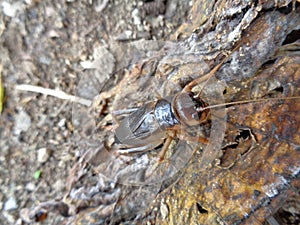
[(199, 80), (171, 135), (197, 139)]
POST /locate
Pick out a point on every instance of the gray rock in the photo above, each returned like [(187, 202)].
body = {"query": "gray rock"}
[(10, 204), (43, 155), (22, 122)]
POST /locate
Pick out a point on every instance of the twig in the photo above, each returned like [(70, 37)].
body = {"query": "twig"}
[(54, 93)]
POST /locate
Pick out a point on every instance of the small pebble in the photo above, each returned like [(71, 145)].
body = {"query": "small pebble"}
[(164, 210), (10, 9), (62, 122), (43, 155), (30, 186), (8, 218), (22, 122), (59, 185), (10, 204)]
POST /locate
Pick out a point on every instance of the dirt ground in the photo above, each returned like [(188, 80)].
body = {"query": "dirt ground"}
[(44, 43)]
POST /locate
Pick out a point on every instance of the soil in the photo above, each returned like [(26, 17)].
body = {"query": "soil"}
[(44, 43)]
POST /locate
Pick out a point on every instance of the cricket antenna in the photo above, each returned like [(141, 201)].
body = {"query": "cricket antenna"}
[(200, 109)]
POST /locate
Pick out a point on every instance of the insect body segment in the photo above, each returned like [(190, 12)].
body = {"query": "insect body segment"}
[(148, 126), (139, 131), (164, 114), (188, 109)]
